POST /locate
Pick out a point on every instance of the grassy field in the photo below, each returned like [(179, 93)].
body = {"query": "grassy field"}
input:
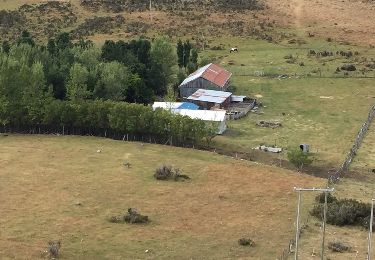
[(44, 177), (325, 110)]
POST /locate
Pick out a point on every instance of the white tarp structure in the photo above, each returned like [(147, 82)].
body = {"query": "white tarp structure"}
[(206, 115), (218, 116)]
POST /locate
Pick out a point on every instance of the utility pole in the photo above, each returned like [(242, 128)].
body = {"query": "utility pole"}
[(370, 231), (299, 190)]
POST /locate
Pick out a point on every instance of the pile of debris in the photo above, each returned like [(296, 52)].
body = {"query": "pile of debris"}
[(272, 149), (270, 124)]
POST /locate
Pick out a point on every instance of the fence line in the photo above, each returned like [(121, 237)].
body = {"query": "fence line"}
[(291, 245), (353, 151)]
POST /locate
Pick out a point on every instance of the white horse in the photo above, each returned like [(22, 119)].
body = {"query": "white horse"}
[(233, 50)]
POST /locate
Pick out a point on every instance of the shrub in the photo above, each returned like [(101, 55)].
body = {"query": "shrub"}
[(298, 158), (54, 248), (344, 212), (133, 217), (338, 247), (348, 67), (246, 242), (330, 198), (163, 173), (166, 172)]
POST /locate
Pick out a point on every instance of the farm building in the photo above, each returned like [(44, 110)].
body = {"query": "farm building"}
[(207, 99), (210, 77)]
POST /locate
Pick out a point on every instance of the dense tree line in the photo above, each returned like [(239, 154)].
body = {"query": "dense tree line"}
[(75, 88)]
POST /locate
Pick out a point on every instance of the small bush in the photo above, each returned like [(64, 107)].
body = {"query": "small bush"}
[(298, 158), (348, 67), (338, 247), (344, 212), (133, 217), (163, 173), (330, 198), (246, 242), (166, 172), (54, 248)]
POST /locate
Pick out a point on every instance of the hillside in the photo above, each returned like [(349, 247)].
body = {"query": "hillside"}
[(61, 188), (342, 20)]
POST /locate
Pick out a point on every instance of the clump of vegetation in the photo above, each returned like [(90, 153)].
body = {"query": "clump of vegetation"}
[(299, 158), (348, 67), (133, 217), (52, 250), (166, 172), (338, 247), (246, 242), (320, 198), (343, 212)]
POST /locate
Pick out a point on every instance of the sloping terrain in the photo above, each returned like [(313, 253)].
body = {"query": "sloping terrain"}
[(345, 20), (61, 188), (348, 20)]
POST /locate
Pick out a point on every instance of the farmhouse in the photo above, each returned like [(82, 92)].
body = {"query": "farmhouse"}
[(208, 99), (210, 77)]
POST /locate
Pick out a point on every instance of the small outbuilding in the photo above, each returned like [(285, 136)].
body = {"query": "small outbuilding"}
[(208, 99), (211, 77)]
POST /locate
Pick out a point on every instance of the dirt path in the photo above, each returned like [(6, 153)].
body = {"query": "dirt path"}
[(345, 20)]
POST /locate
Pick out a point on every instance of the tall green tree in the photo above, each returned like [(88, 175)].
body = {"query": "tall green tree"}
[(180, 53), (187, 49), (35, 94), (163, 64), (77, 84), (113, 82)]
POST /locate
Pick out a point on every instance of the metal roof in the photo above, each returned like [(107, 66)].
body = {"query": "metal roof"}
[(212, 73), (206, 115), (212, 96)]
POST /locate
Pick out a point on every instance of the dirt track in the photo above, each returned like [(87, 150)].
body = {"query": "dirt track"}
[(347, 20)]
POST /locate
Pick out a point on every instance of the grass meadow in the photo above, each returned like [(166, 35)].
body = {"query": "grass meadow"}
[(324, 110), (61, 188)]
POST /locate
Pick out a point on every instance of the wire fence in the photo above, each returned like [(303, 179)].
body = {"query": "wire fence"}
[(289, 249), (354, 149)]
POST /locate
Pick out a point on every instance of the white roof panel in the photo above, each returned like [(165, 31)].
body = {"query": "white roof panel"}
[(206, 115), (166, 105)]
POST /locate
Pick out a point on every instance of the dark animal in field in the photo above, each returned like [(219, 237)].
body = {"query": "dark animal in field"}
[(233, 50)]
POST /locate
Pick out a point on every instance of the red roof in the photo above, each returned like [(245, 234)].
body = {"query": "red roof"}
[(216, 75), (212, 73)]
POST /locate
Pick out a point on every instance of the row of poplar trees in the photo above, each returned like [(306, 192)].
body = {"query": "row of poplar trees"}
[(76, 88)]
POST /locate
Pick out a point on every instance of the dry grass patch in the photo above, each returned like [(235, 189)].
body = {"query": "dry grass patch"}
[(60, 188)]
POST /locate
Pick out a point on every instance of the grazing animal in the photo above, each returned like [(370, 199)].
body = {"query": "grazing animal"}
[(233, 50)]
